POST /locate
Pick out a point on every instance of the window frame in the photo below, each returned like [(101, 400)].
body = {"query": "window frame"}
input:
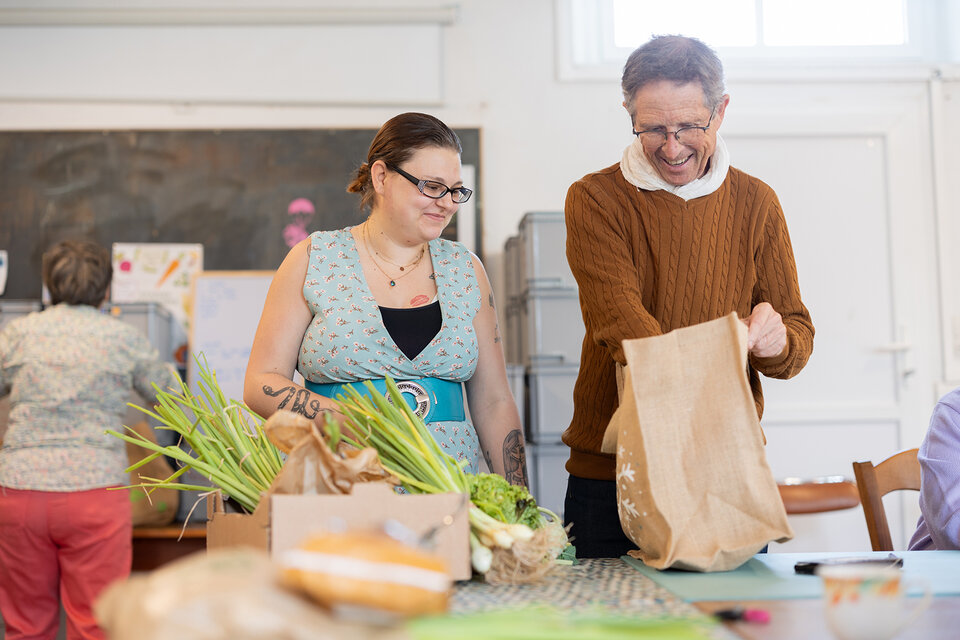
[(585, 48)]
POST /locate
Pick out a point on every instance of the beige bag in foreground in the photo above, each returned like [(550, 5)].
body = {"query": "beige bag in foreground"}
[(694, 490)]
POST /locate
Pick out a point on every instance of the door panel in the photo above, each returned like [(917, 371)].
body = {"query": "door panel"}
[(852, 168), (839, 228)]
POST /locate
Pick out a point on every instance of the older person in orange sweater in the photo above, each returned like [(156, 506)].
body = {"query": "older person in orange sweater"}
[(669, 237)]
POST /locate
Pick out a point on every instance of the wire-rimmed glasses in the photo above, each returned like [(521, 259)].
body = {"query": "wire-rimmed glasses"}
[(689, 136)]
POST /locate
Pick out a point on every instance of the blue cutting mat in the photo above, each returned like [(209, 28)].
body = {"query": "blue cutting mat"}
[(770, 576)]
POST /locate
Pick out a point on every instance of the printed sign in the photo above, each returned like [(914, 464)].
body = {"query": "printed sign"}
[(157, 272)]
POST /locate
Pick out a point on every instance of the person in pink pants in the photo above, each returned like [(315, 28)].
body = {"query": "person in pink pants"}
[(69, 371)]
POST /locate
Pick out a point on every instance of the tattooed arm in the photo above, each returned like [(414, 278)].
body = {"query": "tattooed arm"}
[(514, 459), (268, 385), (492, 406)]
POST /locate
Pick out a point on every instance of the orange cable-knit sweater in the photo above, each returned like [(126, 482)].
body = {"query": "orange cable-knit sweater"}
[(648, 262)]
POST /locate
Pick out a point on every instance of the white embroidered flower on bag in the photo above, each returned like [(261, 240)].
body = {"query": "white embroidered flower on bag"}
[(627, 471), (629, 507)]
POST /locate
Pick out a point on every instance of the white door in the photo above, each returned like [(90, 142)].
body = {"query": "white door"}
[(851, 165)]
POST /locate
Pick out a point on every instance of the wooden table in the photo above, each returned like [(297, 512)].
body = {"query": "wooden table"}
[(156, 546)]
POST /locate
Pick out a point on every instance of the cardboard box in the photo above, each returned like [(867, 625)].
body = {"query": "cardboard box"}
[(280, 522)]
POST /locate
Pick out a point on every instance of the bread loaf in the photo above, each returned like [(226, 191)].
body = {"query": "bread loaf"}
[(368, 569)]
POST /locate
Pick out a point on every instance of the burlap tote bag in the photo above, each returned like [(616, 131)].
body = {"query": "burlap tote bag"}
[(694, 490)]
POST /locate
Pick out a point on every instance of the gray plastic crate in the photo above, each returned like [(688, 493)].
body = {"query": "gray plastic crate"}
[(151, 318), (10, 309), (550, 401), (546, 466), (543, 240), (551, 327), (513, 268), (513, 334), (517, 380)]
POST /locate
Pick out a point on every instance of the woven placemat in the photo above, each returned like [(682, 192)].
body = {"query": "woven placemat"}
[(596, 584)]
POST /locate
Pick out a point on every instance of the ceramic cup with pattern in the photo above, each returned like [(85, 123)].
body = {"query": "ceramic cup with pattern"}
[(868, 602)]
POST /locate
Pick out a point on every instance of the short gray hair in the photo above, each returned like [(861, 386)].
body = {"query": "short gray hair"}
[(676, 58), (77, 272)]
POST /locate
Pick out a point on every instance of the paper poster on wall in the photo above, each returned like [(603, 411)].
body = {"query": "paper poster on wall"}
[(226, 311), (157, 272)]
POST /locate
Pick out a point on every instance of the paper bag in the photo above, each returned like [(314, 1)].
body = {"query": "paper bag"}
[(694, 490), (311, 466), (225, 594)]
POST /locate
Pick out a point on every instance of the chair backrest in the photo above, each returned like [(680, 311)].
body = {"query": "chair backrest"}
[(815, 496), (901, 471)]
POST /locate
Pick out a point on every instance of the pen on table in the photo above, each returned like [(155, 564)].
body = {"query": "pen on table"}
[(759, 616)]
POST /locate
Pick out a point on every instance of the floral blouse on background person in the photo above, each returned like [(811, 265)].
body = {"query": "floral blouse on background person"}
[(70, 369)]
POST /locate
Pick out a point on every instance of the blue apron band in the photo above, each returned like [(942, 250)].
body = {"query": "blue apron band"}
[(432, 399)]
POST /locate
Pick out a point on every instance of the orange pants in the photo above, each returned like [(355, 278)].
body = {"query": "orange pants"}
[(60, 546)]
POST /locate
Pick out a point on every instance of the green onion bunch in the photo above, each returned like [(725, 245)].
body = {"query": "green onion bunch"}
[(228, 444), (408, 450)]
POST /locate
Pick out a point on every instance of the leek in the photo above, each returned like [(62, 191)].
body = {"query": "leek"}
[(228, 444)]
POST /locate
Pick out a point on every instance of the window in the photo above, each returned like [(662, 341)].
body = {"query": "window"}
[(596, 36), (765, 23)]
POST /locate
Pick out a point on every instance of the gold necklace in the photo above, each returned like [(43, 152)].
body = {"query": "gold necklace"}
[(393, 281), (402, 267)]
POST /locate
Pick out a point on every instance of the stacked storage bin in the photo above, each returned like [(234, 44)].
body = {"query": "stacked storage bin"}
[(514, 290), (550, 326), (153, 320)]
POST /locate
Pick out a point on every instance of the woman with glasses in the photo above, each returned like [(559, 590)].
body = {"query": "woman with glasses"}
[(390, 297), (669, 237)]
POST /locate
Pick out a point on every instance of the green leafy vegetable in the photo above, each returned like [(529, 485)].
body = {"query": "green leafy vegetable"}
[(502, 500)]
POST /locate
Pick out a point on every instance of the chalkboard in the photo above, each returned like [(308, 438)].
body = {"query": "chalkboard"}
[(226, 311), (243, 194)]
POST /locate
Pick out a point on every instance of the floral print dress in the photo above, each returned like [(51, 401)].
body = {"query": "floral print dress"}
[(347, 341)]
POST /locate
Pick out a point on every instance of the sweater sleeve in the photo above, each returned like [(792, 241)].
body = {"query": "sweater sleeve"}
[(777, 284), (599, 250)]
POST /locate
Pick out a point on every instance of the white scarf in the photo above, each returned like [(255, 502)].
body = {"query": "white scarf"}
[(640, 173)]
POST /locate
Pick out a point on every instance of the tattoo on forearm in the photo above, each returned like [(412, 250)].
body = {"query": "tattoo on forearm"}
[(490, 299), (514, 459), (496, 333), (302, 402)]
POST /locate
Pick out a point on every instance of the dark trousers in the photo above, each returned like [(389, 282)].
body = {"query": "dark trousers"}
[(591, 507)]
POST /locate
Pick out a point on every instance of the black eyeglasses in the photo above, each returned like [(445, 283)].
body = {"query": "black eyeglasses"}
[(433, 189), (689, 136)]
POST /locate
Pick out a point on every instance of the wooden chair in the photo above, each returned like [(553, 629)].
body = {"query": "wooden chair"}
[(818, 496), (898, 472)]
